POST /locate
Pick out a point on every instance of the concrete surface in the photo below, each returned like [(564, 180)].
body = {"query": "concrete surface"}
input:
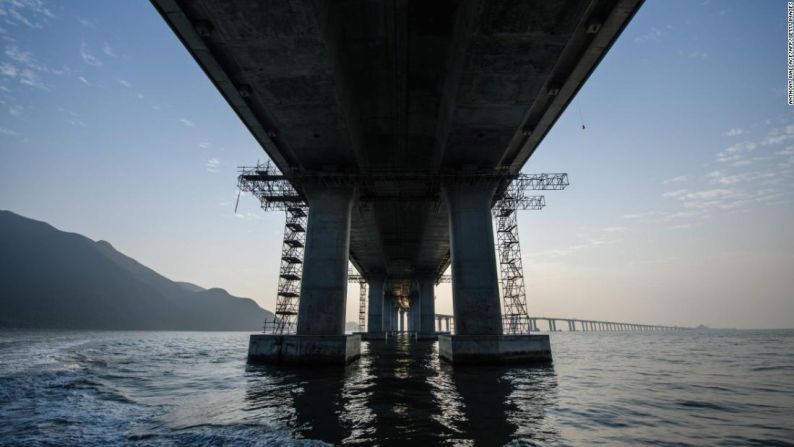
[(411, 87), (372, 336), (321, 308), (485, 349), (427, 305), (375, 304), (475, 279), (304, 349)]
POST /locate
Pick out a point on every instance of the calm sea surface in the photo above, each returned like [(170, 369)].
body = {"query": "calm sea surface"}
[(190, 388)]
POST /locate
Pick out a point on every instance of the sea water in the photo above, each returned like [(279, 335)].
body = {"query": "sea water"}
[(708, 387)]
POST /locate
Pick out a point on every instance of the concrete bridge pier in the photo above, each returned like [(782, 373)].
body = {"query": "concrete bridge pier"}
[(413, 311), (375, 328), (475, 292), (393, 306), (388, 317), (427, 308), (320, 336)]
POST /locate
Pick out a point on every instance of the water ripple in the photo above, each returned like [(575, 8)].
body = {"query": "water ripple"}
[(182, 388)]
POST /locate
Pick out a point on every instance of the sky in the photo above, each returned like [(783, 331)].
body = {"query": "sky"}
[(680, 209)]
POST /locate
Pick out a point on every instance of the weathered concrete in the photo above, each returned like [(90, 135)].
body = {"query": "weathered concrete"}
[(324, 284), (389, 314), (372, 336), (407, 87), (375, 307), (414, 310), (427, 307), (304, 349), (485, 349), (475, 289)]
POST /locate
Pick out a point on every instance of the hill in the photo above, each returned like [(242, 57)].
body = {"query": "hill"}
[(54, 279)]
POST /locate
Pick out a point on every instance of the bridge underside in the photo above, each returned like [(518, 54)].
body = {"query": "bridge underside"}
[(398, 86), (399, 122)]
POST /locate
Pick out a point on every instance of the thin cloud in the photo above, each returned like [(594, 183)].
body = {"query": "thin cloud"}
[(679, 179), (212, 165), (708, 194), (85, 22), (571, 249), (24, 76), (735, 132), (187, 122), (23, 67), (24, 58), (88, 57), (639, 216), (9, 132), (83, 80), (697, 55), (654, 35), (124, 83), (676, 193), (108, 50), (718, 198), (31, 13)]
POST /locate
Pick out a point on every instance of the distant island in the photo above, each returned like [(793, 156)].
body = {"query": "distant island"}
[(54, 279)]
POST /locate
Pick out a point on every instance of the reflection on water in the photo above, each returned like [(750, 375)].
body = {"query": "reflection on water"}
[(193, 388), (400, 391)]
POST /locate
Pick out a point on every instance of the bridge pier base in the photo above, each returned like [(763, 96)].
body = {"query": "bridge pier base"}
[(320, 335), (304, 349), (494, 349), (478, 335)]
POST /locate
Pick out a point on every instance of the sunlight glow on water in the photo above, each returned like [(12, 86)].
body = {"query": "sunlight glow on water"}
[(164, 388)]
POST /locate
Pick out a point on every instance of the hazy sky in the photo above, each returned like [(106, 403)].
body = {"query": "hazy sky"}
[(680, 210)]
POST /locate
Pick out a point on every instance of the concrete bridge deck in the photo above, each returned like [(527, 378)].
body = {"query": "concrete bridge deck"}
[(339, 89)]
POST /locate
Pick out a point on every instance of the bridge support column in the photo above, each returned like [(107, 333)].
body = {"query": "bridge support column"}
[(321, 335), (390, 310), (375, 326), (411, 316), (475, 291), (427, 308)]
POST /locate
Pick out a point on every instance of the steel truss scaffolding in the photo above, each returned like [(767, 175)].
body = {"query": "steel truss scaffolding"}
[(515, 317), (278, 192)]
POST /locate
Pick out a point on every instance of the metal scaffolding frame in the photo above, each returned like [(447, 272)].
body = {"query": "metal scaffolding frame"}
[(279, 192), (515, 316)]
